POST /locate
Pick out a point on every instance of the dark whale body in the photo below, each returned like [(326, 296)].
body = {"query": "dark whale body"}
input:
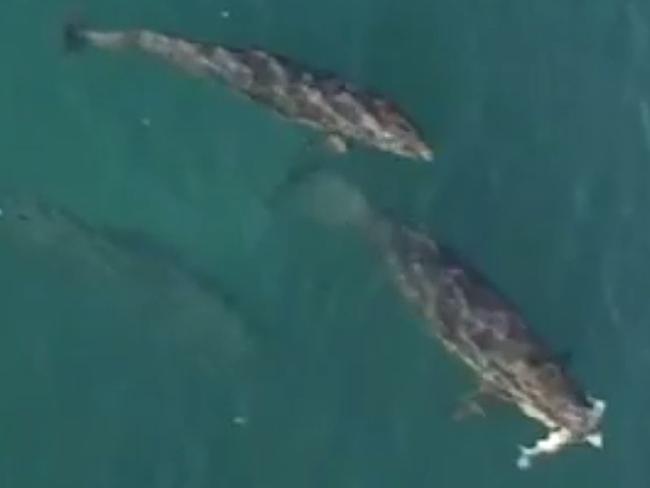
[(487, 332)]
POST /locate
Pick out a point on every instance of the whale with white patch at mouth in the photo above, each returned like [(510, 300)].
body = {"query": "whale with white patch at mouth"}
[(474, 321), (323, 101)]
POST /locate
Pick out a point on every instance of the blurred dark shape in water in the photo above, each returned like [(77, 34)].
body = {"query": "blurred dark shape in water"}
[(183, 307)]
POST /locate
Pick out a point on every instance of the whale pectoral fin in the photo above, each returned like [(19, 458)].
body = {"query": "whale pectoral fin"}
[(468, 406), (472, 403), (336, 144)]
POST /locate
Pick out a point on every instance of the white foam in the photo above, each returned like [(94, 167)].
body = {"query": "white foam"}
[(596, 440), (524, 460), (599, 406), (555, 440)]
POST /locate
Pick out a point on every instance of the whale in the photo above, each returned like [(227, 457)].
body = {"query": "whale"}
[(342, 112), (474, 321)]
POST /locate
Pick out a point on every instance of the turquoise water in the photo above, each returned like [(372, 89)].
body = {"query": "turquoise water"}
[(273, 351)]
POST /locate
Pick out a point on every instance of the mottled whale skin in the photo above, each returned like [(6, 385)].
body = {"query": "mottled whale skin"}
[(485, 331), (322, 101), (471, 318)]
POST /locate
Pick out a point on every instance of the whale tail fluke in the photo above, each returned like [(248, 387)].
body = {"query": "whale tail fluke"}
[(73, 37)]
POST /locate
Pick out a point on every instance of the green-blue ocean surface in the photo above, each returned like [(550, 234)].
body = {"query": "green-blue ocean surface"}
[(163, 325)]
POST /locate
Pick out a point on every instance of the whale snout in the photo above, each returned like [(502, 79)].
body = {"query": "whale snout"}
[(414, 148), (426, 153)]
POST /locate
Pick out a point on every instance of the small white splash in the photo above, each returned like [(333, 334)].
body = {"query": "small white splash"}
[(595, 440), (225, 14), (523, 462), (2, 213), (555, 441), (240, 420), (146, 121)]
